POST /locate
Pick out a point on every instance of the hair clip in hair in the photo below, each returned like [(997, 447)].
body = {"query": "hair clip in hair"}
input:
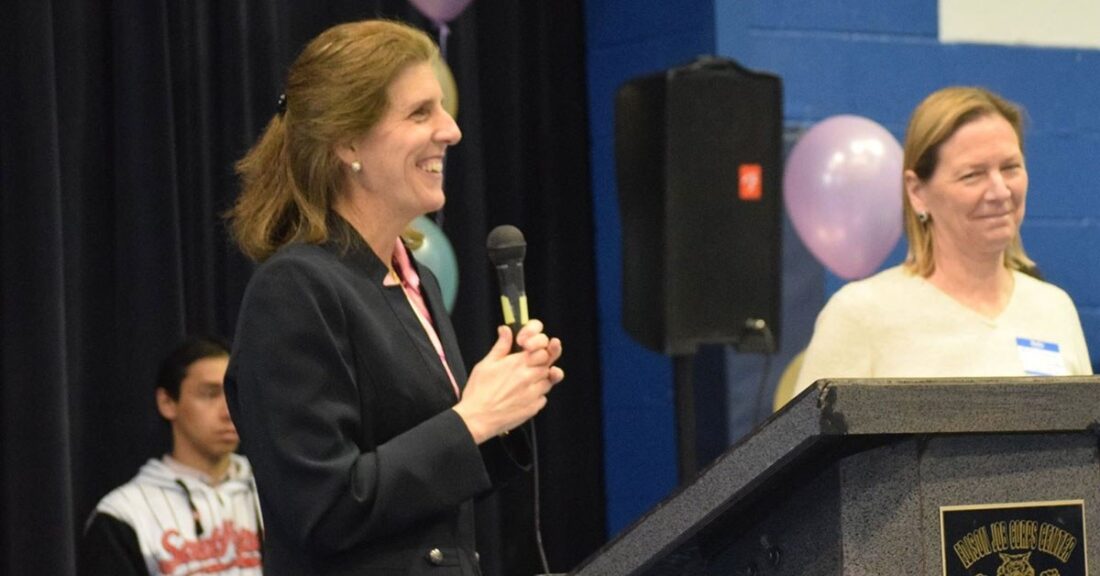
[(280, 105)]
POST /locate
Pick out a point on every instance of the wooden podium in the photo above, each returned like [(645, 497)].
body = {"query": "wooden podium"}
[(890, 477)]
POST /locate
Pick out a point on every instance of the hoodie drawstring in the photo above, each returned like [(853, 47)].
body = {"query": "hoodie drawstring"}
[(191, 505)]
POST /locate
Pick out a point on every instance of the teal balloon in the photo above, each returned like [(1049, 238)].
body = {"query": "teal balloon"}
[(436, 253)]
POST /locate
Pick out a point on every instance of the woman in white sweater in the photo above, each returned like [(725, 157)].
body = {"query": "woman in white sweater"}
[(967, 300)]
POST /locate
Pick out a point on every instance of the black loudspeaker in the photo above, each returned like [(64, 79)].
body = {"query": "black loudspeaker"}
[(698, 157)]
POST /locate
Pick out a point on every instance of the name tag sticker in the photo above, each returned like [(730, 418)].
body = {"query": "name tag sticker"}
[(1041, 358)]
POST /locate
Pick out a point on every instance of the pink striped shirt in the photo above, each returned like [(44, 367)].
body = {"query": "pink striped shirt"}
[(410, 284)]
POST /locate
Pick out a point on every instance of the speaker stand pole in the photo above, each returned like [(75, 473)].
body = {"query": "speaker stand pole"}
[(683, 366)]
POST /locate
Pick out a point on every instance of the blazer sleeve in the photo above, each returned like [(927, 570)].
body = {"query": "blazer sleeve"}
[(303, 413)]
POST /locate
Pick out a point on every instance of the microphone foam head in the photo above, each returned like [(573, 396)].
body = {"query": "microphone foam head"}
[(506, 245)]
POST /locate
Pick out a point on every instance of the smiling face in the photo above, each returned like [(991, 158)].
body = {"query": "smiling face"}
[(977, 193), (402, 155)]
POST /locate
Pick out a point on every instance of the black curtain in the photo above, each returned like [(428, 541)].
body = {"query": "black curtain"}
[(119, 124)]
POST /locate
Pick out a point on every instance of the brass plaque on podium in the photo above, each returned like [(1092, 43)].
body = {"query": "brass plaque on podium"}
[(1018, 539)]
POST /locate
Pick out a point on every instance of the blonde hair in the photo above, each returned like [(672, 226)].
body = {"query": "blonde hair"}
[(335, 90), (934, 121)]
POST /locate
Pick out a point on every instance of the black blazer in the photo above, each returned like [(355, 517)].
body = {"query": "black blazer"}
[(343, 408)]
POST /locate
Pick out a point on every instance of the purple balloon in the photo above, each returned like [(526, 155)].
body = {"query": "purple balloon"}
[(440, 11), (842, 190)]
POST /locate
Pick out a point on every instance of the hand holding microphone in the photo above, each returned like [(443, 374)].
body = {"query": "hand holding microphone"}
[(507, 248), (509, 386)]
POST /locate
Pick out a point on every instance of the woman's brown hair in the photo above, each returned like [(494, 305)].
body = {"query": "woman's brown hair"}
[(335, 90)]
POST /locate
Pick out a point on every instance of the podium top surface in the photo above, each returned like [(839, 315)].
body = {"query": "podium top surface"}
[(831, 411)]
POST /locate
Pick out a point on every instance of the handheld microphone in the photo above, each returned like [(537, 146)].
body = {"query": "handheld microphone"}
[(506, 251)]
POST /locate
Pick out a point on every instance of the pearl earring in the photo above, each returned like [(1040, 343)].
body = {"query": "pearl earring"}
[(356, 166)]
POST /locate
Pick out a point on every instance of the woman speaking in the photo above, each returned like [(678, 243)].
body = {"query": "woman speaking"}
[(367, 438)]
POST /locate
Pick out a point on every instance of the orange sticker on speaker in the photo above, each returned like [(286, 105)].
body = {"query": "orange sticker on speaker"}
[(750, 182)]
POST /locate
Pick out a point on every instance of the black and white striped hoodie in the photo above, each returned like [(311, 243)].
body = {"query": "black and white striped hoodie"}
[(168, 520)]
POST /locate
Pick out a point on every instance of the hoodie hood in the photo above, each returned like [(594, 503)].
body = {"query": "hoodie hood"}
[(159, 473)]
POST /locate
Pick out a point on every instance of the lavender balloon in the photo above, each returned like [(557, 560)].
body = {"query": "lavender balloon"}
[(440, 11), (842, 190)]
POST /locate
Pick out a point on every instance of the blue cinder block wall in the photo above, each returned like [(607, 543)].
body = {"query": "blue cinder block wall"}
[(865, 57)]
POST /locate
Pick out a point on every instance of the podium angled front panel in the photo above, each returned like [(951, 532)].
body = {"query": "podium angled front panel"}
[(852, 477)]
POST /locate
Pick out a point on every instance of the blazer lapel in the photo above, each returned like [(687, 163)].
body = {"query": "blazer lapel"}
[(403, 310), (433, 297), (352, 245)]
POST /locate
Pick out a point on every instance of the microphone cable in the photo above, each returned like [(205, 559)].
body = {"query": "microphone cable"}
[(507, 247), (531, 437), (537, 507)]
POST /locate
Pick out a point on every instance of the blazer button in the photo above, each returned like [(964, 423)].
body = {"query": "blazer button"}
[(435, 556)]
